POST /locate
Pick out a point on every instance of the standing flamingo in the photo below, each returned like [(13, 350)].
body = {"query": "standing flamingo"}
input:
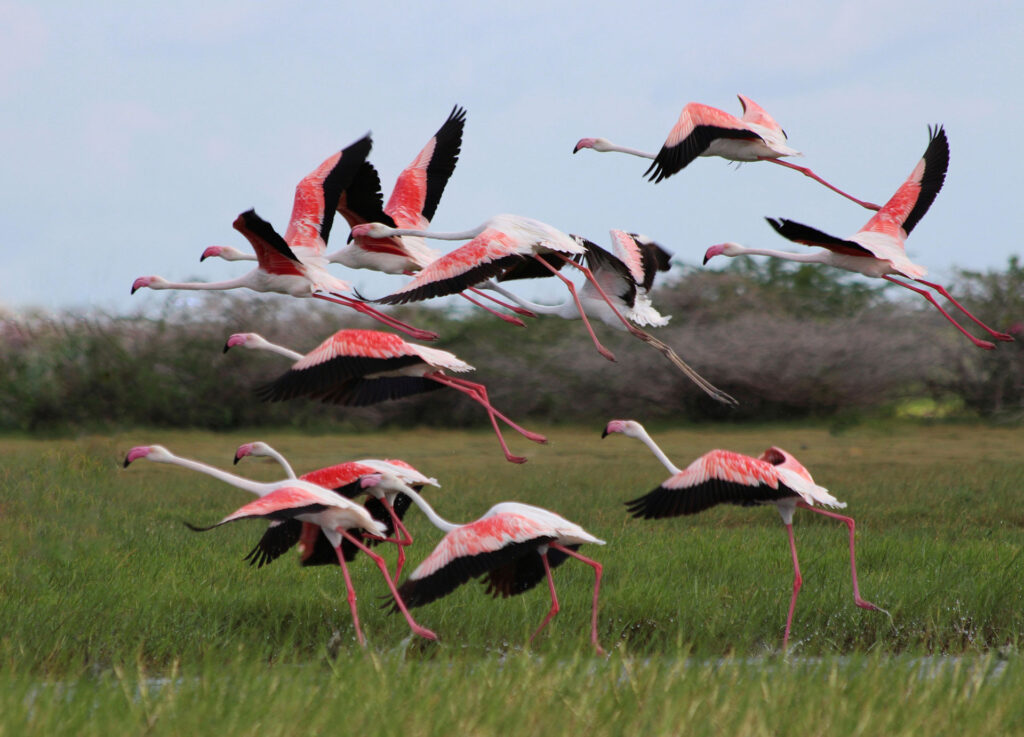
[(878, 249), (294, 264), (706, 131), (361, 367), (514, 545), (343, 478), (725, 477), (306, 502)]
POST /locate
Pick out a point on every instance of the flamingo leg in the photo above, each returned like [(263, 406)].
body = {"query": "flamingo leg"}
[(481, 392), (942, 290), (421, 631), (515, 308), (379, 316), (446, 380), (597, 587), (351, 596), (927, 295), (554, 597), (862, 603), (579, 306), (402, 542), (808, 173), (507, 318), (797, 583)]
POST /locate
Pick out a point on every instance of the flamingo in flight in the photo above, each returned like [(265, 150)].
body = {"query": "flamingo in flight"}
[(290, 499), (295, 264), (878, 249), (342, 478), (706, 131), (725, 477), (514, 546), (626, 275), (356, 368)]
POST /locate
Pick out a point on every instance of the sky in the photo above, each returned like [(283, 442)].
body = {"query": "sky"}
[(134, 133)]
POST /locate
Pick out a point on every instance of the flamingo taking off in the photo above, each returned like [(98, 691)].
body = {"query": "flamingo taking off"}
[(725, 477), (626, 276), (342, 478), (303, 501), (356, 368), (878, 249), (513, 545), (706, 131), (295, 264)]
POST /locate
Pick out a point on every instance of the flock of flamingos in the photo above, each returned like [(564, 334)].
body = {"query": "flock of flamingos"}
[(513, 546)]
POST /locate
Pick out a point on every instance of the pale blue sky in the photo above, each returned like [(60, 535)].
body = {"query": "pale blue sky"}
[(134, 133)]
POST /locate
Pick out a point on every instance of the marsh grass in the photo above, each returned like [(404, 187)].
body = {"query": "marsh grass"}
[(102, 588)]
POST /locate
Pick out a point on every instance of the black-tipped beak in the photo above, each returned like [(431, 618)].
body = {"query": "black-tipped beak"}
[(575, 149), (227, 347), (126, 462), (237, 459), (604, 433), (705, 260)]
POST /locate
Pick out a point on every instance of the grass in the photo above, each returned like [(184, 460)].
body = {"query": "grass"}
[(102, 589)]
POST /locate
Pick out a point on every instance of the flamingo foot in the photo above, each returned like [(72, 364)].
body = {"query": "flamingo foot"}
[(511, 319), (424, 632), (514, 459), (1003, 337), (606, 353), (535, 437), (983, 344), (522, 311)]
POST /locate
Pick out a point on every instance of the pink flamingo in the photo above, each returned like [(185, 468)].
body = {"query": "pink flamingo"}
[(343, 478), (514, 545), (297, 499), (878, 249), (294, 264), (360, 367), (706, 131), (725, 477)]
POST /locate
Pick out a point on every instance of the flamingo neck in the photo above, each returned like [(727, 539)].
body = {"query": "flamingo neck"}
[(658, 452), (817, 257), (239, 283), (239, 482), (287, 353), (273, 454), (627, 150), (462, 235), (435, 519)]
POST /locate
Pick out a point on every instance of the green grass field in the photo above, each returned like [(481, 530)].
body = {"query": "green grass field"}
[(116, 619)]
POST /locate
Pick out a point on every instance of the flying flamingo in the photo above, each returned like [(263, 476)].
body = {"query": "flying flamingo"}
[(878, 249), (725, 477), (306, 502), (295, 265), (342, 478), (514, 545), (706, 131), (626, 277), (361, 367)]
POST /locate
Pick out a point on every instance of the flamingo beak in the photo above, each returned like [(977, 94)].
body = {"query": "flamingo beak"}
[(583, 143), (243, 450), (233, 340), (209, 253), (713, 251), (134, 454), (142, 281)]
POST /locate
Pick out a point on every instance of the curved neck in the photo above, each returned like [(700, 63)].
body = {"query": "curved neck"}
[(814, 257), (271, 453), (658, 452), (439, 522), (558, 309), (237, 481), (287, 353)]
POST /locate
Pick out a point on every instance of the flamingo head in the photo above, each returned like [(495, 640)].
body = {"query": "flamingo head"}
[(249, 340), (224, 252), (629, 428), (157, 453), (723, 249), (152, 282), (379, 484), (598, 144), (255, 449)]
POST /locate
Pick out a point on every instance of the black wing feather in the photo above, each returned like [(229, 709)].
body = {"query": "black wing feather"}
[(672, 159), (454, 284), (447, 146), (936, 162), (663, 502), (315, 381), (808, 236)]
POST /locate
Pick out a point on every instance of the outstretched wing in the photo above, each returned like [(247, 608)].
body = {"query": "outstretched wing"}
[(418, 190), (805, 234), (697, 128)]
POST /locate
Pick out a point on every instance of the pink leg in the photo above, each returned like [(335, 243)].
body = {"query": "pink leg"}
[(927, 295), (797, 583), (379, 316), (808, 173), (506, 318), (942, 290), (351, 596), (508, 306), (481, 392), (600, 290), (405, 540), (572, 290), (853, 561), (446, 380), (597, 587), (554, 597), (421, 631)]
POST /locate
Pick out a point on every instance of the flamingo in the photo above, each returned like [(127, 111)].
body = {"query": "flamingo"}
[(343, 478), (360, 367), (297, 499), (294, 265), (514, 545), (725, 477), (706, 131), (878, 249), (626, 276)]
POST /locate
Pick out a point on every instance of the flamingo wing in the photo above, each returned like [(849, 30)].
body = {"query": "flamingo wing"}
[(279, 538), (284, 503), (611, 273), (362, 201), (530, 268), (317, 196), (717, 477), (418, 190), (341, 478), (808, 236), (754, 113), (653, 258), (273, 253), (522, 574), (697, 128)]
